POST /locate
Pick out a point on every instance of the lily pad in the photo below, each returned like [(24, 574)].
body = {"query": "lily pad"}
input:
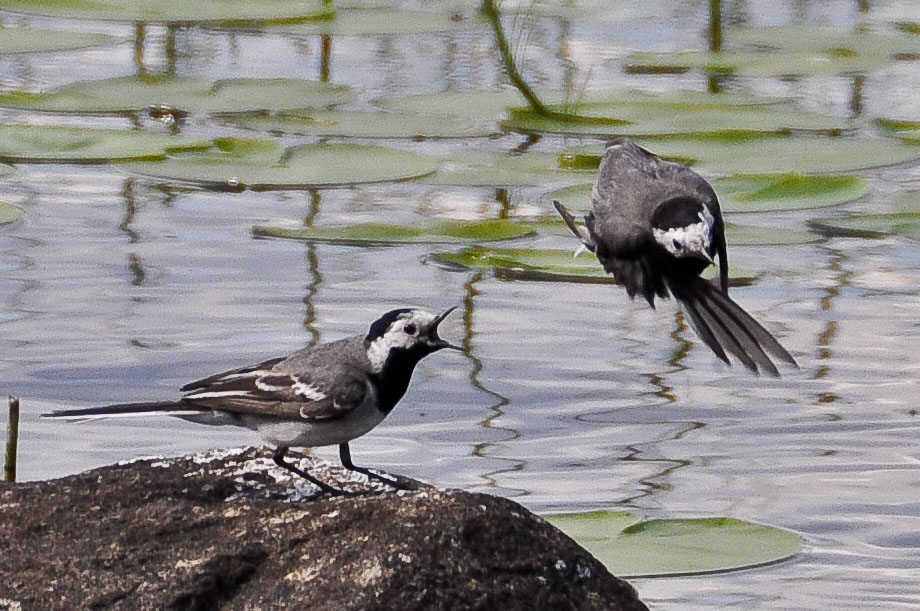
[(757, 154), (548, 265), (182, 94), (42, 144), (657, 548), (753, 63), (493, 104), (834, 40), (756, 192), (9, 213), (595, 9), (237, 164), (907, 131), (747, 235), (382, 21), (770, 192), (901, 217), (486, 105), (659, 118), (30, 40), (357, 124), (476, 169), (448, 232), (220, 12), (802, 154)]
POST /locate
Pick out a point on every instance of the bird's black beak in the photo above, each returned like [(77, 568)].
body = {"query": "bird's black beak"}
[(436, 340)]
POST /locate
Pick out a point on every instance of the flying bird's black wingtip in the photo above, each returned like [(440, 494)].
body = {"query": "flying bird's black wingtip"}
[(727, 329), (581, 232)]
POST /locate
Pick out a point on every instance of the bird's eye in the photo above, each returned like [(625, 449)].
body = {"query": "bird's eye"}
[(410, 328), (678, 245)]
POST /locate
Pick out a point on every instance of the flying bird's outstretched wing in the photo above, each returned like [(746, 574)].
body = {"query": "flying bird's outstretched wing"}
[(637, 194)]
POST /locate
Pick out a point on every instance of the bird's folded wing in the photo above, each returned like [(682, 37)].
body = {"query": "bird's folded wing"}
[(285, 395), (251, 371)]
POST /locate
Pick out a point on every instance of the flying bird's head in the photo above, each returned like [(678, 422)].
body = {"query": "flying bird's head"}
[(684, 227), (405, 333)]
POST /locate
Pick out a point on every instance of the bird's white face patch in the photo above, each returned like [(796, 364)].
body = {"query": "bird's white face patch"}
[(402, 333), (691, 241)]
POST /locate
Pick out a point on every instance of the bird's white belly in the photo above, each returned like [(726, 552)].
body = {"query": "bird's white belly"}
[(315, 433)]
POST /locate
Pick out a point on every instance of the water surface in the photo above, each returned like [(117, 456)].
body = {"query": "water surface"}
[(570, 397)]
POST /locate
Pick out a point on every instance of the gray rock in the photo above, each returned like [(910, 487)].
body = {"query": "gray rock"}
[(232, 531)]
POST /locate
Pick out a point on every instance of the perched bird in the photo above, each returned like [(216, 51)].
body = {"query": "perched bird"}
[(319, 396), (656, 225)]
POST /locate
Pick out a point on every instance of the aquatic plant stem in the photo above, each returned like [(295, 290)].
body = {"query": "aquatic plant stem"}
[(492, 14), (12, 441)]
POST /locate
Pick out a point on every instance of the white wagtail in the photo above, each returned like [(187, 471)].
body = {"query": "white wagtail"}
[(319, 396), (656, 225)]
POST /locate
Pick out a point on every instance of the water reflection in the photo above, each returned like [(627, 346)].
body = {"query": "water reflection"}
[(316, 278), (840, 280), (570, 397), (487, 449)]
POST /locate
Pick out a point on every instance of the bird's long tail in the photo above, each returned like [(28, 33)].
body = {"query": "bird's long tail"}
[(726, 328), (125, 410)]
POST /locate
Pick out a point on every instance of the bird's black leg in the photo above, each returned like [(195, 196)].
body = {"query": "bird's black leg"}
[(278, 457), (394, 481)]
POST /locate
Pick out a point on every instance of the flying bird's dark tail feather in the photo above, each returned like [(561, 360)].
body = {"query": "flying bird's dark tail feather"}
[(168, 408), (725, 327)]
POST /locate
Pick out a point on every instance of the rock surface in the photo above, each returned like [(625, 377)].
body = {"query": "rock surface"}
[(232, 531)]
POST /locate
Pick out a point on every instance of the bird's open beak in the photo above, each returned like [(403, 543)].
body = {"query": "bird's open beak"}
[(442, 343)]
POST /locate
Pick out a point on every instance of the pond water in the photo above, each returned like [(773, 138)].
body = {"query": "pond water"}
[(119, 287)]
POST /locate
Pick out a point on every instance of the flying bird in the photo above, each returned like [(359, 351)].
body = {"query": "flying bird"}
[(656, 225), (318, 396)]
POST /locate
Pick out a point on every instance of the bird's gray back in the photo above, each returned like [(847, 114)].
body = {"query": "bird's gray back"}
[(632, 182), (328, 363)]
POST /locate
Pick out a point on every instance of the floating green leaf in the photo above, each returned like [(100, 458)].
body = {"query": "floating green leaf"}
[(752, 63), (747, 235), (680, 99), (660, 118), (182, 94), (546, 265), (833, 40), (575, 197), (486, 105), (222, 12), (907, 131), (9, 213), (41, 144), (491, 104), (357, 124), (753, 154), (527, 264), (236, 164), (383, 21), (768, 192), (448, 232), (901, 217), (594, 9), (31, 40), (676, 547), (474, 169)]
